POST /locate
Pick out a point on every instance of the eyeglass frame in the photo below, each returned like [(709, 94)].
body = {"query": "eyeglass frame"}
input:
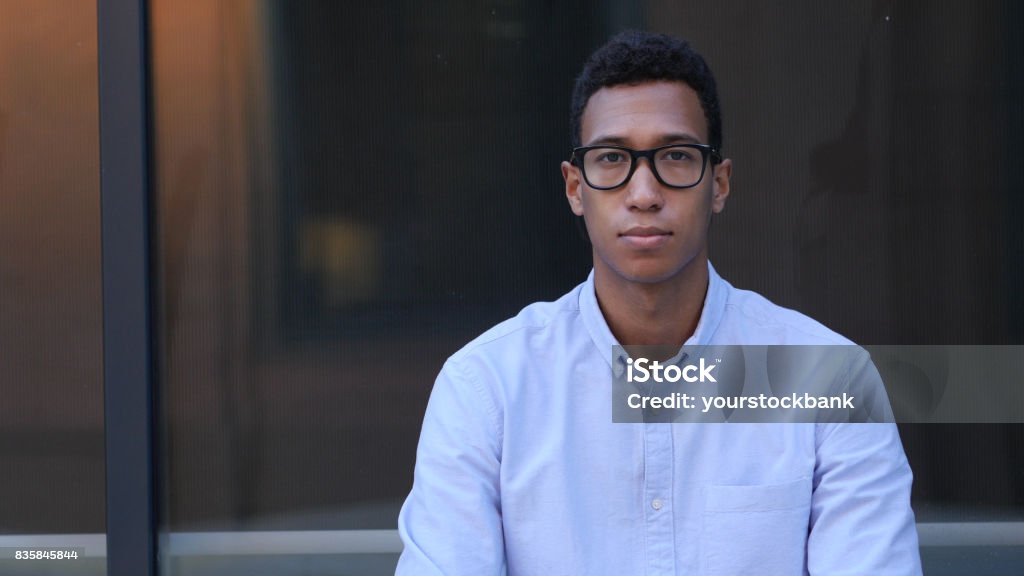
[(706, 150)]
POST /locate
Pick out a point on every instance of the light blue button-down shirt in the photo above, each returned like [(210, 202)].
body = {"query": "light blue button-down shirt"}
[(521, 469)]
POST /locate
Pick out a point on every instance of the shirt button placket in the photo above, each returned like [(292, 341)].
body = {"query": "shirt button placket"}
[(658, 464)]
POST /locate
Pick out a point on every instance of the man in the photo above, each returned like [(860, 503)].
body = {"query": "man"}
[(520, 467)]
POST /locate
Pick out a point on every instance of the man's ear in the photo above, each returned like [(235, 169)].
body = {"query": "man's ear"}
[(573, 185), (720, 188)]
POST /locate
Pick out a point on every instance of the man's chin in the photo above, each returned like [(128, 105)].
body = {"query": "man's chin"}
[(650, 271), (649, 274)]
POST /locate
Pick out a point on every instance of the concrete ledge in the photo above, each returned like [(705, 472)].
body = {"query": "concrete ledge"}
[(312, 542)]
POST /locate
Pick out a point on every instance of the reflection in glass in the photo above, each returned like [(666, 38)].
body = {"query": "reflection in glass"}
[(52, 491), (333, 222)]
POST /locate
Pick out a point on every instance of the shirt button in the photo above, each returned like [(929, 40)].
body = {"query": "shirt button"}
[(656, 504)]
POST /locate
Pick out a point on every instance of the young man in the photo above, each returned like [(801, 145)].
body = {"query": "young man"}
[(520, 466)]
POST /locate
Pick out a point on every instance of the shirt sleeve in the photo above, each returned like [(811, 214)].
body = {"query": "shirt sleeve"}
[(861, 520), (451, 522)]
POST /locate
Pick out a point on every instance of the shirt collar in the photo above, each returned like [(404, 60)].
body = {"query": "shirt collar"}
[(710, 317)]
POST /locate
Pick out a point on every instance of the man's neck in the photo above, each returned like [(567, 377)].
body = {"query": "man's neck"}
[(665, 313)]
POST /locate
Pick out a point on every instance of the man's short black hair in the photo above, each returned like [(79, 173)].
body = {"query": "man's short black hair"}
[(634, 57)]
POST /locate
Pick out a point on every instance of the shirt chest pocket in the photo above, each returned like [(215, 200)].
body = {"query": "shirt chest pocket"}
[(758, 529)]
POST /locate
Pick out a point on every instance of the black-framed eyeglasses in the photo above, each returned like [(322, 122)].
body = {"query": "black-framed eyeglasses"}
[(606, 167)]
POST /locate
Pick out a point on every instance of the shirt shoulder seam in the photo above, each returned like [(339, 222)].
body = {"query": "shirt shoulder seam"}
[(489, 405), (827, 334), (488, 338)]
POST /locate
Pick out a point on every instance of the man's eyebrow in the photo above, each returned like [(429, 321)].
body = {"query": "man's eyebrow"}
[(680, 137)]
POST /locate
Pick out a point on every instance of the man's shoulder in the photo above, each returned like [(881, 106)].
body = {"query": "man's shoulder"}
[(754, 317), (512, 335)]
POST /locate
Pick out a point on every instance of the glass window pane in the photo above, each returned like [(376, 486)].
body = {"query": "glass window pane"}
[(346, 194), (51, 412)]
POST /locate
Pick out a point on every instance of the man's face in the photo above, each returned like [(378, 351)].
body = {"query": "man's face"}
[(645, 232)]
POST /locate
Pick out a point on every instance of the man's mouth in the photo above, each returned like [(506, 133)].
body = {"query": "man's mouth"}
[(645, 237)]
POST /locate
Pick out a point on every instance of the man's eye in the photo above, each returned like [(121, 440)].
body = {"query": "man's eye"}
[(677, 156), (611, 157)]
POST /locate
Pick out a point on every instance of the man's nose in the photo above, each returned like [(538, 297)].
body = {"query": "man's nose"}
[(643, 189)]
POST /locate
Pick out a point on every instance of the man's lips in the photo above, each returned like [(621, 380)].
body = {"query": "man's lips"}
[(645, 237)]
